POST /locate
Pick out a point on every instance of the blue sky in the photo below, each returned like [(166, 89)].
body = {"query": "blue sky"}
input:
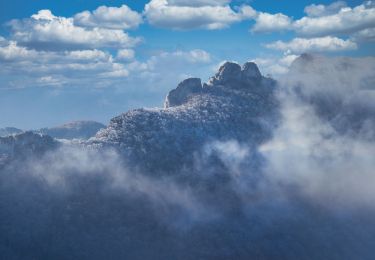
[(72, 60)]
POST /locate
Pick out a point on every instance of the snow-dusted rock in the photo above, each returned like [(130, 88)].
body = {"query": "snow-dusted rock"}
[(237, 104), (250, 72), (26, 144), (232, 75), (230, 107), (229, 72), (183, 91)]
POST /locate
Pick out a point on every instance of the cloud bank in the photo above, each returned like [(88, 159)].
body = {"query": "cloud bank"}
[(109, 17), (46, 31), (301, 45), (195, 14)]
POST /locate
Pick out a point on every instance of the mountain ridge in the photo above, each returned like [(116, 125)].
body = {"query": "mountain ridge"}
[(238, 103)]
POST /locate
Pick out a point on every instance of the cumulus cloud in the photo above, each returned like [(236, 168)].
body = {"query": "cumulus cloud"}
[(77, 67), (93, 68), (346, 20), (109, 17), (275, 66), (315, 10), (196, 15), (196, 3), (366, 35), (125, 54), (265, 22), (321, 20), (47, 31), (62, 51), (11, 51), (301, 45), (91, 55)]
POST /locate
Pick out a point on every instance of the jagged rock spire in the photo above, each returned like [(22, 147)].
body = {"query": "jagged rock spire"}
[(230, 75), (250, 71), (229, 71)]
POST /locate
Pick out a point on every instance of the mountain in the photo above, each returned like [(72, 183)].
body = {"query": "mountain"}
[(238, 103), (25, 145), (73, 130), (190, 180), (9, 131)]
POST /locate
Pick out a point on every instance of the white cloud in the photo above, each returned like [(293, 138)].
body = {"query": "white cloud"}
[(46, 31), (345, 21), (44, 15), (288, 59), (125, 54), (96, 68), (266, 22), (109, 17), (11, 51), (323, 10), (366, 35), (275, 66), (321, 20), (194, 56), (196, 3), (63, 68), (50, 81), (197, 15), (300, 45), (329, 166), (116, 73), (329, 132), (178, 60), (91, 55)]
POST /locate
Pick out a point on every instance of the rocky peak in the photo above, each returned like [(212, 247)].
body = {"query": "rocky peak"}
[(161, 140), (228, 71), (250, 71), (234, 76), (181, 94), (230, 75)]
